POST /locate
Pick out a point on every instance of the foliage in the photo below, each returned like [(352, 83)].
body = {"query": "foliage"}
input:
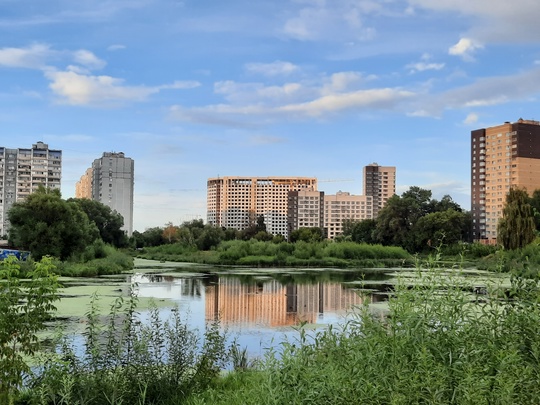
[(413, 219), (313, 234), (45, 224), (360, 231), (131, 361), (439, 344), (108, 222), (516, 228), (25, 305)]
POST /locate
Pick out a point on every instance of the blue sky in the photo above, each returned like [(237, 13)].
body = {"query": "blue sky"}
[(196, 89)]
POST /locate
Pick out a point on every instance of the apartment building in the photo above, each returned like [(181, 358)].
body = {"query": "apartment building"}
[(83, 188), (237, 202), (305, 209), (379, 184), (344, 206), (502, 156), (22, 171), (110, 181)]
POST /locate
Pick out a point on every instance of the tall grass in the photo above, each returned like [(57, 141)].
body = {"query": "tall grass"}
[(268, 254), (439, 344), (124, 360)]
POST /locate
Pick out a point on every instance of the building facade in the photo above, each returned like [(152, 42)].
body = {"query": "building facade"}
[(237, 202), (502, 157), (379, 184), (344, 206), (83, 188), (22, 171), (111, 181), (305, 209)]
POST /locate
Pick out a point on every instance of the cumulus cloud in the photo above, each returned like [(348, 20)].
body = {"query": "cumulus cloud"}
[(88, 59), (465, 48), (82, 89), (31, 57), (275, 68)]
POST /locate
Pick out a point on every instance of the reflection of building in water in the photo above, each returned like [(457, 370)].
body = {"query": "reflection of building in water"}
[(272, 304)]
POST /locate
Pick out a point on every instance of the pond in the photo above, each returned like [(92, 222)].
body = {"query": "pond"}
[(259, 308)]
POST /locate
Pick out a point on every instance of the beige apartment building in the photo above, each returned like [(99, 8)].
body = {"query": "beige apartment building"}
[(380, 184), (22, 171), (502, 156), (83, 188), (237, 202), (344, 206)]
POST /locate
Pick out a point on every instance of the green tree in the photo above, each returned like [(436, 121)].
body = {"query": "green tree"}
[(535, 204), (312, 234), (45, 224), (360, 231), (516, 228), (210, 237), (108, 222), (25, 306), (446, 227)]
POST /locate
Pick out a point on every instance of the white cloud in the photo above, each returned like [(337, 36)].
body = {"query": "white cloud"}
[(373, 98), (275, 68), (80, 89), (116, 47), (472, 118), (340, 19), (88, 59), (493, 21), (465, 48), (423, 66), (484, 92), (32, 57)]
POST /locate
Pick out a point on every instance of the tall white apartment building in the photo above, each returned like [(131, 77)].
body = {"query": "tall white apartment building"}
[(305, 210), (22, 171), (237, 202), (110, 181), (344, 206), (380, 184)]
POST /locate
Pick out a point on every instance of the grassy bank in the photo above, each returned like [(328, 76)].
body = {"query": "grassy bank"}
[(299, 254), (439, 343)]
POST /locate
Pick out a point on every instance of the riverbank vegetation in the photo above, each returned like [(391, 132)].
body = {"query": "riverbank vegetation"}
[(439, 342)]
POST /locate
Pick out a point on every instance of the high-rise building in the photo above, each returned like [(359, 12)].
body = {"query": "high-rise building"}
[(83, 188), (22, 171), (237, 202), (305, 210), (379, 184), (110, 181), (344, 206), (502, 157)]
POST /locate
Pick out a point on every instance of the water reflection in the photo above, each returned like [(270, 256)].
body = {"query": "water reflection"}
[(261, 310)]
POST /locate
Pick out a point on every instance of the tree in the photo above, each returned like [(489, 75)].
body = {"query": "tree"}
[(448, 227), (108, 222), (360, 231), (170, 233), (45, 224), (313, 234), (25, 306), (516, 228)]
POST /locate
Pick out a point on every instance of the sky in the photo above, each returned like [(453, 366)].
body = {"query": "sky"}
[(197, 89)]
